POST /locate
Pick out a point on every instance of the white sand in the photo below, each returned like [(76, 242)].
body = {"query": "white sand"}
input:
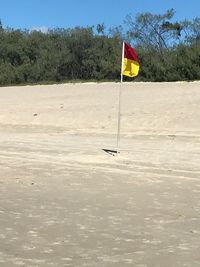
[(65, 202)]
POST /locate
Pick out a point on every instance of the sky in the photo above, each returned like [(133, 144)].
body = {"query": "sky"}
[(43, 14)]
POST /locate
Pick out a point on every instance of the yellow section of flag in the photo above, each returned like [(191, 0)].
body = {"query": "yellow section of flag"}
[(130, 67)]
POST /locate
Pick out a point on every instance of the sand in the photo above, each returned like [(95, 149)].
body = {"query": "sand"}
[(65, 202)]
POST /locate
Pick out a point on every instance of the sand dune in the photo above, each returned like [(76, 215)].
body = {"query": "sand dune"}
[(65, 202)]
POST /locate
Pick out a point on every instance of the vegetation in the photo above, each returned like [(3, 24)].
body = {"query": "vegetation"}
[(168, 51)]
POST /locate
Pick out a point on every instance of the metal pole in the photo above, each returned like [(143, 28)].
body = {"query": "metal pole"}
[(119, 104)]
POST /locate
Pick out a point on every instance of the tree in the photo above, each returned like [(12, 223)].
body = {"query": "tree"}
[(153, 31), (100, 28), (191, 30)]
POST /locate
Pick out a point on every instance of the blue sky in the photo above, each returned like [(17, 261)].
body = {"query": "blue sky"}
[(31, 14)]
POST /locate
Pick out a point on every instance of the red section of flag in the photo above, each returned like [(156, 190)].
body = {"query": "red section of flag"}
[(129, 52)]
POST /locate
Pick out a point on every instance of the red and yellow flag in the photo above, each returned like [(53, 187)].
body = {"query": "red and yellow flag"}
[(130, 62)]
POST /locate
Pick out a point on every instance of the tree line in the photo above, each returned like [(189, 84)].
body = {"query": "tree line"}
[(168, 51)]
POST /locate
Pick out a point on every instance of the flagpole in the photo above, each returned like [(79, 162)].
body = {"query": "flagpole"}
[(119, 104)]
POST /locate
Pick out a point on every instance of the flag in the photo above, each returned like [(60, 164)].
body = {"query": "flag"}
[(130, 62)]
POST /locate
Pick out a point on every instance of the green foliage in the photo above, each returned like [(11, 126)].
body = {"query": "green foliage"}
[(168, 51), (59, 55)]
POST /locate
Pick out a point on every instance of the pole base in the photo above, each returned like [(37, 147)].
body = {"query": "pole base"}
[(111, 152)]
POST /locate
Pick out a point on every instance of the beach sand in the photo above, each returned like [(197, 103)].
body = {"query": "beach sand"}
[(65, 202)]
